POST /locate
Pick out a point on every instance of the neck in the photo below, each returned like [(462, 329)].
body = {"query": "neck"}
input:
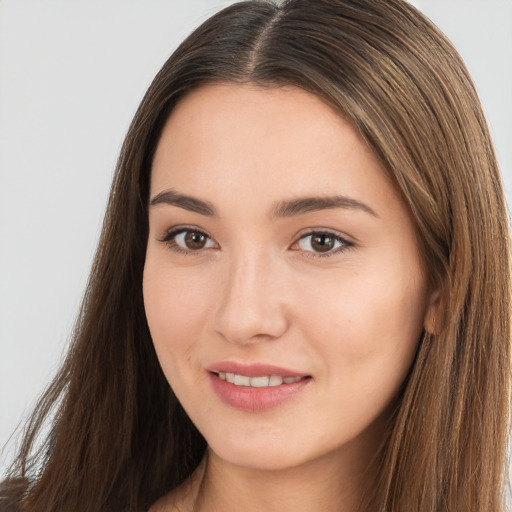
[(329, 483)]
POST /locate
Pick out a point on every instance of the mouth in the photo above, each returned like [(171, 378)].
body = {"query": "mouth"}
[(263, 381), (256, 387)]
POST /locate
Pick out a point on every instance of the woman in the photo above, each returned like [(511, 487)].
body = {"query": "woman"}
[(305, 249)]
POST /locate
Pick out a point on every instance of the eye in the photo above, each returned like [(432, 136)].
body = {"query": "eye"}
[(322, 243), (188, 240)]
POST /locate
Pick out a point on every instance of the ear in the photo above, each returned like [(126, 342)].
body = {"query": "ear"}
[(433, 318)]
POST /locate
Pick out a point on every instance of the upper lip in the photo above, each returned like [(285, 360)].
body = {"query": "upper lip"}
[(253, 369)]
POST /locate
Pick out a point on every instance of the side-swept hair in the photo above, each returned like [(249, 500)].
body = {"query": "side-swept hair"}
[(119, 439)]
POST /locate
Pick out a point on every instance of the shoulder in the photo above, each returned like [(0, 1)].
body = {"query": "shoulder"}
[(178, 500), (183, 498)]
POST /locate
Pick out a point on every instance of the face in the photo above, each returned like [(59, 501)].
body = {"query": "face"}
[(283, 286)]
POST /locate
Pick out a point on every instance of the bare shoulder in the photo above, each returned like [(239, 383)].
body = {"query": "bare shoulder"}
[(181, 499), (169, 503)]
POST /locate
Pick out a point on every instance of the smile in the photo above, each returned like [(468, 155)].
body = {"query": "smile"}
[(256, 392), (257, 382)]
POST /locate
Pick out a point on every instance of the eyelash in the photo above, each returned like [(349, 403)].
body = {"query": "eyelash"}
[(170, 240), (345, 244)]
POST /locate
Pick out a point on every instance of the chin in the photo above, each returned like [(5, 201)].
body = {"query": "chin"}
[(259, 459)]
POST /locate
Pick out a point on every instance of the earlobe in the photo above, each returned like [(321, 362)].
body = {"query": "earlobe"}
[(432, 323)]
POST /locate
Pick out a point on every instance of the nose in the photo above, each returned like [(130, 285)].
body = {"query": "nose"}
[(252, 301)]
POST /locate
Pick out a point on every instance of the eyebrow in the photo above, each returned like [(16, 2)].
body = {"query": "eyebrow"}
[(282, 209), (313, 204), (186, 202)]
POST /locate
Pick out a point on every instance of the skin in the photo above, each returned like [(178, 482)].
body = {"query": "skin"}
[(259, 291)]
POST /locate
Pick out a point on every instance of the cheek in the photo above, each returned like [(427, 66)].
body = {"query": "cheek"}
[(367, 326), (176, 306)]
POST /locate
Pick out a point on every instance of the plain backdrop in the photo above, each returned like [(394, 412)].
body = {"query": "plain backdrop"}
[(72, 73)]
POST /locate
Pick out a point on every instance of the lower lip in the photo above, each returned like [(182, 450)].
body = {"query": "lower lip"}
[(246, 398)]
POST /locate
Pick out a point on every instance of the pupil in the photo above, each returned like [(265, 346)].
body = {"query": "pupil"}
[(195, 240), (322, 243)]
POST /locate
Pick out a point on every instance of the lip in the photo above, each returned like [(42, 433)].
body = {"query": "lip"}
[(253, 399), (253, 369)]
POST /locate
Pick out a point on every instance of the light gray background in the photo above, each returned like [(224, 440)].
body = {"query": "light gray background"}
[(72, 73)]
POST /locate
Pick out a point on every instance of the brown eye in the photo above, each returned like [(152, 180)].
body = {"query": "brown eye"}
[(322, 243), (194, 240), (188, 240)]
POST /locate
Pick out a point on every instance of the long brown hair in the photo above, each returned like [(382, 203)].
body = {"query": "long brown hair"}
[(119, 439)]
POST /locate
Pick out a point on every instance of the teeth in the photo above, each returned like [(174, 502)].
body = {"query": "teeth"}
[(242, 380), (257, 382), (275, 381)]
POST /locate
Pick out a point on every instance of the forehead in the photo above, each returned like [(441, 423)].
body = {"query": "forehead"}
[(228, 141)]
